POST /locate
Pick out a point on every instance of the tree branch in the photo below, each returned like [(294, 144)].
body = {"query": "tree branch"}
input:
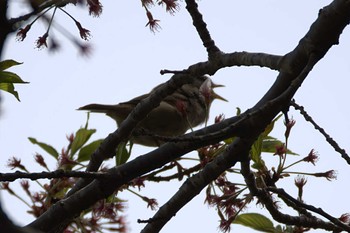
[(237, 151), (319, 211), (45, 5), (6, 27), (329, 139), (50, 175), (201, 27), (265, 198), (8, 226), (224, 60), (177, 175)]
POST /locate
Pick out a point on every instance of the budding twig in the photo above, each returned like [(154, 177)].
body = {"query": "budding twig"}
[(329, 139)]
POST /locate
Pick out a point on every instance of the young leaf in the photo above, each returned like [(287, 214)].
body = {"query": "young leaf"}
[(122, 154), (258, 144), (10, 88), (255, 151), (9, 77), (269, 145), (270, 126), (80, 138), (8, 63), (238, 111), (49, 149), (256, 221), (229, 140), (86, 151)]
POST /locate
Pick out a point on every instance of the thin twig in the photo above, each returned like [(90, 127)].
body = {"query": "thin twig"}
[(265, 198), (50, 175), (201, 26), (186, 172), (329, 139), (312, 208)]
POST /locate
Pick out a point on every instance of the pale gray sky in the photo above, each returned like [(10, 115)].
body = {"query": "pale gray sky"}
[(126, 61)]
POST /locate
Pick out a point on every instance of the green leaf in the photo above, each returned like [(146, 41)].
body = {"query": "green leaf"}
[(229, 140), (49, 149), (60, 194), (86, 151), (80, 138), (265, 143), (8, 63), (9, 77), (114, 199), (10, 88), (122, 153), (256, 149), (269, 145), (270, 126), (256, 221)]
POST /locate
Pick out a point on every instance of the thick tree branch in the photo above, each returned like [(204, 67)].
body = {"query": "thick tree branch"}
[(251, 59), (8, 226), (323, 34), (224, 60)]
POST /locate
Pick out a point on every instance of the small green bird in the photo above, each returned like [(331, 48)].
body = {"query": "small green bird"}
[(184, 109)]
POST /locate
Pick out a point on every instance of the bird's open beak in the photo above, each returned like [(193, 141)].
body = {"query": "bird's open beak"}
[(217, 85), (216, 96)]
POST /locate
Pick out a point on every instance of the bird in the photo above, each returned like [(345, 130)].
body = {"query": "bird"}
[(184, 109)]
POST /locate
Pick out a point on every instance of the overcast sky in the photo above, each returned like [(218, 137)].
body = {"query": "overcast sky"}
[(126, 61)]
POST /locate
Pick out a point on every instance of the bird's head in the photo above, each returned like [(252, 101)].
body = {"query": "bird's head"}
[(207, 91)]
